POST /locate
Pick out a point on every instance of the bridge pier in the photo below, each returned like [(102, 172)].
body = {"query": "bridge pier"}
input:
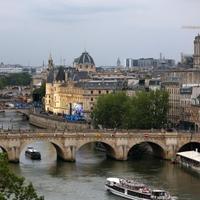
[(13, 154), (68, 154), (121, 153), (170, 152)]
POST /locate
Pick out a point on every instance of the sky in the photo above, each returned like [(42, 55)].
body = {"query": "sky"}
[(32, 29)]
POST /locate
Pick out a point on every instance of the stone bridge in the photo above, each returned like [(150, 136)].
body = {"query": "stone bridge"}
[(118, 144)]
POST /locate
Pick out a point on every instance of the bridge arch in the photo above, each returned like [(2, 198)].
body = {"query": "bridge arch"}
[(8, 152), (3, 149), (189, 146), (109, 148), (153, 148), (58, 147)]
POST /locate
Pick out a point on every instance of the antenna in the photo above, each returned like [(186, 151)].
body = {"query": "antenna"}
[(61, 60), (85, 46)]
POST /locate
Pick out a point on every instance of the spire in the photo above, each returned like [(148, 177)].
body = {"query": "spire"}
[(50, 62), (118, 62), (50, 57)]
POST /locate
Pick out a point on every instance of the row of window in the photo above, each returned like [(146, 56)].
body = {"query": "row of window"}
[(140, 195), (92, 92), (86, 66), (117, 188)]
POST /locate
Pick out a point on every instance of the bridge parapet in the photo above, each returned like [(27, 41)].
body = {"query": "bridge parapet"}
[(68, 142)]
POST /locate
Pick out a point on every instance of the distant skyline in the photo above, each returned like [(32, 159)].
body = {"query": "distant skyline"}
[(107, 29)]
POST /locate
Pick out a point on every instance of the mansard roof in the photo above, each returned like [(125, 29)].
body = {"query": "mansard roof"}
[(103, 85), (78, 75), (61, 75), (50, 77)]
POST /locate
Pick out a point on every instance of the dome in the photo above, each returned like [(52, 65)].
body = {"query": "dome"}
[(85, 58)]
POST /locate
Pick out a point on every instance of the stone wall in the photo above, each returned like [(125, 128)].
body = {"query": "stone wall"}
[(54, 123)]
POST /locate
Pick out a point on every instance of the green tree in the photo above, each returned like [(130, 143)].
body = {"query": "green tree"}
[(20, 79), (149, 109), (3, 82), (140, 111), (39, 93), (145, 110), (13, 187), (159, 107), (110, 110)]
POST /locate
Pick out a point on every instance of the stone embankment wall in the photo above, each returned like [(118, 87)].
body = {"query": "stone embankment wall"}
[(54, 123)]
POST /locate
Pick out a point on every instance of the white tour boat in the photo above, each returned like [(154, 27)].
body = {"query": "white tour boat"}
[(189, 159), (131, 189), (32, 153)]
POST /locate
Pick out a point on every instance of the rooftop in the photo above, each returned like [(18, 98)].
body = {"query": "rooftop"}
[(85, 58)]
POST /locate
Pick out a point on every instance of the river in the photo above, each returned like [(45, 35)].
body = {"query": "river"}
[(84, 179)]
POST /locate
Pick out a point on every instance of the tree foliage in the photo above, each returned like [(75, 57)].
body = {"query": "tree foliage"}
[(39, 93), (110, 110), (145, 110), (20, 79), (13, 187)]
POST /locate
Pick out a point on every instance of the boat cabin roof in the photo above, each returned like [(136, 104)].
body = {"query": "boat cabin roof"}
[(116, 180), (193, 155), (158, 191), (31, 149)]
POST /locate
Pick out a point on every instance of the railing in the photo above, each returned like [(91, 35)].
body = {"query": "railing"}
[(91, 134)]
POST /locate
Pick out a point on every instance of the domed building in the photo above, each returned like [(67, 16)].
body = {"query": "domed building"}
[(67, 87), (85, 63)]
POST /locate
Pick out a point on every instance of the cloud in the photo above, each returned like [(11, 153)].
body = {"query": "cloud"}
[(80, 10), (110, 28)]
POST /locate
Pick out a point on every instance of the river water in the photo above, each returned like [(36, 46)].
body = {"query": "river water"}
[(85, 178)]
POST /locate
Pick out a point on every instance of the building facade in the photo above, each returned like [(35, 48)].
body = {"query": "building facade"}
[(173, 88), (78, 85), (197, 52)]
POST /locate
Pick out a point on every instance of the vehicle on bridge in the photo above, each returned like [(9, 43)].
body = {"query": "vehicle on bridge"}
[(32, 153), (130, 189)]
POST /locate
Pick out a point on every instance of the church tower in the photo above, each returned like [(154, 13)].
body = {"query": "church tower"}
[(197, 52), (118, 62), (50, 63)]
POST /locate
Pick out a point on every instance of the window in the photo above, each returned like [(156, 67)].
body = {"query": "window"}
[(117, 188), (92, 99), (107, 92), (99, 91), (91, 91)]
